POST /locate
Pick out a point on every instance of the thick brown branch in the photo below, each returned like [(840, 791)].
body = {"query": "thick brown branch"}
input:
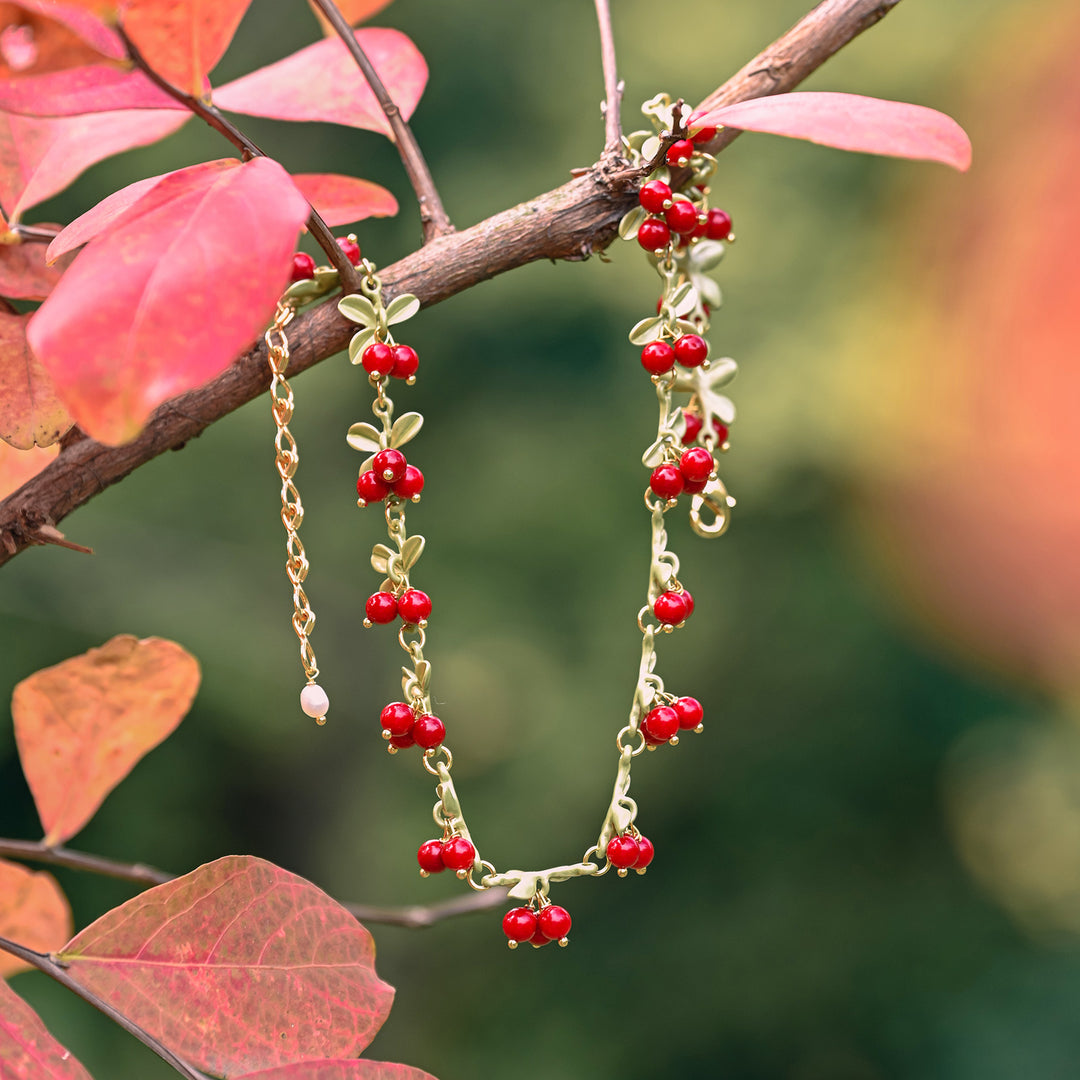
[(433, 217), (612, 86), (568, 223)]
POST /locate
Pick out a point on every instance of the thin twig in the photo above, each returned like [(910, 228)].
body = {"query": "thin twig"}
[(433, 217), (612, 86), (350, 281), (421, 916), (44, 962)]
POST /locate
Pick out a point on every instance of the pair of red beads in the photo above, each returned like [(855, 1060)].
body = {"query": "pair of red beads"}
[(665, 722), (403, 728), (628, 852), (550, 923), (691, 475), (672, 607), (690, 350), (389, 472), (413, 607), (303, 265), (398, 361), (694, 424), (435, 856)]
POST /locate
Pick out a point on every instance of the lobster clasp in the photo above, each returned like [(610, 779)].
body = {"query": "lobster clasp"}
[(710, 511)]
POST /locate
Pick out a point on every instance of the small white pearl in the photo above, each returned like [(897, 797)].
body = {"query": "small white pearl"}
[(313, 700)]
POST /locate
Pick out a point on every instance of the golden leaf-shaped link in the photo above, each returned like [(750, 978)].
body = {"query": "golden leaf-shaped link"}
[(401, 308), (647, 330), (358, 309), (405, 428), (365, 438), (359, 342), (411, 551), (631, 222), (380, 556)]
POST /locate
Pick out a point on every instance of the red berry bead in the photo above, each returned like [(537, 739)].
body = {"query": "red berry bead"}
[(414, 606), (390, 465), (622, 852), (690, 712), (397, 718), (429, 856), (554, 922), (646, 851), (696, 464), (402, 742), (654, 196), (411, 484), (303, 266), (682, 217), (706, 134), (666, 481), (660, 724), (688, 600), (458, 853), (657, 357), (694, 487), (691, 350), (429, 731), (721, 431), (405, 362), (718, 225), (519, 924), (370, 488), (679, 152), (381, 607), (653, 235), (693, 427), (670, 608), (350, 248), (378, 359), (539, 938)]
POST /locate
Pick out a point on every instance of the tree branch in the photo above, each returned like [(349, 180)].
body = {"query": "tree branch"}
[(612, 86), (433, 217), (570, 222)]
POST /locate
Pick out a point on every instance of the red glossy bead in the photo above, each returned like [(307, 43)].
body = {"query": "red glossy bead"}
[(693, 427), (695, 487), (691, 350), (696, 464), (458, 853), (539, 938), (688, 600), (390, 465), (670, 608), (429, 731), (622, 852), (657, 357), (682, 217), (660, 724), (554, 922), (654, 195), (402, 742), (666, 481), (690, 712), (405, 362), (378, 359), (411, 484), (370, 488), (303, 266), (397, 718), (684, 148), (706, 134), (653, 235), (429, 856), (381, 607), (718, 225), (721, 431), (414, 606), (519, 924), (646, 851), (350, 248)]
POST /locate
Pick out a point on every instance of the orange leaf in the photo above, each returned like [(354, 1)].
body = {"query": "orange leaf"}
[(182, 40), (27, 1050), (46, 35), (340, 1070), (33, 912), (18, 466), (343, 199), (24, 273), (237, 966), (82, 725), (353, 11), (30, 412)]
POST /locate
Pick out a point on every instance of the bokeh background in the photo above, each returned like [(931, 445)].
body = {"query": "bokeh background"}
[(869, 864)]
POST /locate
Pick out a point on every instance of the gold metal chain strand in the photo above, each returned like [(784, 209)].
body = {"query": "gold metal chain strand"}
[(313, 699)]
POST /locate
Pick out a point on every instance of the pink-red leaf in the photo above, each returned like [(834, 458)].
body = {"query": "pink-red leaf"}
[(39, 157), (24, 272), (50, 36), (182, 40), (322, 82), (343, 199), (98, 218), (30, 412), (349, 1069), (82, 725), (238, 966), (27, 1050), (18, 466), (353, 11), (93, 88), (183, 281), (33, 912), (850, 122)]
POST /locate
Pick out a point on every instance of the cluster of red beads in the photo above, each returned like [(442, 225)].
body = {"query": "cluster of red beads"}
[(691, 474), (694, 424), (690, 350), (629, 852), (402, 728), (550, 923), (456, 853), (303, 265), (669, 214), (389, 472), (412, 607), (397, 361), (663, 723), (673, 606)]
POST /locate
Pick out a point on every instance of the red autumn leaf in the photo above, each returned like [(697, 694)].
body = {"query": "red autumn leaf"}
[(340, 1070), (185, 279), (18, 466), (353, 11), (82, 725), (850, 122), (30, 412), (33, 912), (24, 272), (27, 1050), (322, 82), (343, 199), (93, 88), (39, 157), (236, 967), (52, 36), (182, 40), (98, 218)]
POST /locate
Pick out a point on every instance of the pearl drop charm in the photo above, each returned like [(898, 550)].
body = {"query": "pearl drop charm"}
[(313, 701)]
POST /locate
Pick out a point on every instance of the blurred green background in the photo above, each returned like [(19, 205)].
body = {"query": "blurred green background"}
[(820, 907)]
